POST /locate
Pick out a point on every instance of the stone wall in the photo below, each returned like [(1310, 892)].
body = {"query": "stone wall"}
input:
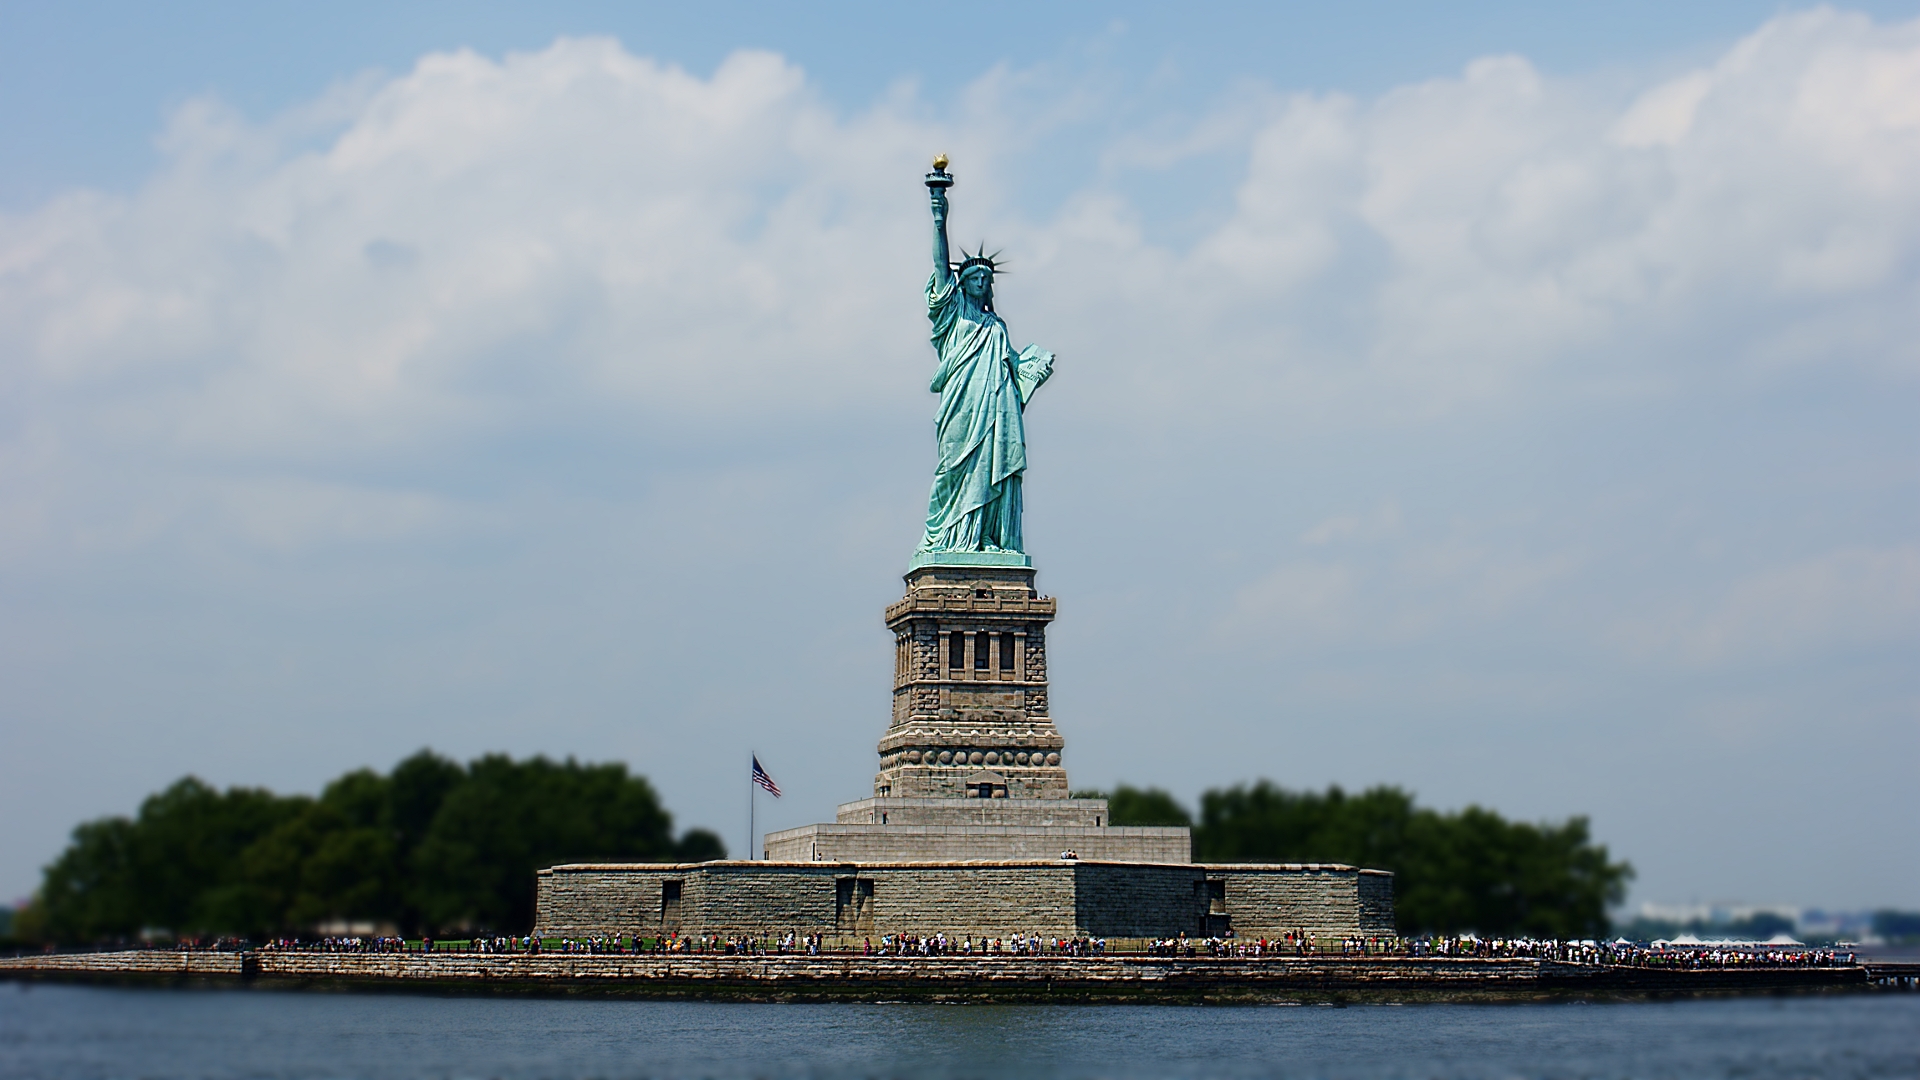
[(1083, 813), (162, 963), (961, 843), (1324, 900), (1376, 902), (1116, 900), (992, 899), (989, 900)]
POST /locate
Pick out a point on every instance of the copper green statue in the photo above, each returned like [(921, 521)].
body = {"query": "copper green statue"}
[(984, 387)]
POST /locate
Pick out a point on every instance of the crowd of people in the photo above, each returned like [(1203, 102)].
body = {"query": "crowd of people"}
[(1292, 943), (733, 945), (1623, 953), (888, 945), (212, 944), (336, 944), (1619, 953), (1022, 944), (1724, 957), (360, 943)]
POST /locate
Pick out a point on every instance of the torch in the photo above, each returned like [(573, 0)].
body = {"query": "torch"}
[(939, 179)]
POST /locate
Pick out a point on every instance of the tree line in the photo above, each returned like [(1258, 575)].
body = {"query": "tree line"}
[(1466, 870), (431, 846), (436, 846)]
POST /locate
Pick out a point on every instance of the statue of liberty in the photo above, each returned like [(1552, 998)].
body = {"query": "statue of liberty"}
[(984, 387)]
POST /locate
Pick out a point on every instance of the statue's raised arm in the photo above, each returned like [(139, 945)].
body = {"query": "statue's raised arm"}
[(937, 194), (984, 386)]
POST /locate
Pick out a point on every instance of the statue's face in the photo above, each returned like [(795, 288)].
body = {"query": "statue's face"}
[(976, 281)]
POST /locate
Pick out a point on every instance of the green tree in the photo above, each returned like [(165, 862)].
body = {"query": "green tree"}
[(431, 844), (1264, 823), (414, 793), (165, 868), (699, 845), (30, 924), (1470, 870), (338, 859), (476, 865), (1140, 806), (92, 889)]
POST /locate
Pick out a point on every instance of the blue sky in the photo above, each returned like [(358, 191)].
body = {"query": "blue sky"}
[(1512, 403), (84, 86)]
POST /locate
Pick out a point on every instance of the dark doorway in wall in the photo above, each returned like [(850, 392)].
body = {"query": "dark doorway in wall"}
[(670, 905), (853, 905)]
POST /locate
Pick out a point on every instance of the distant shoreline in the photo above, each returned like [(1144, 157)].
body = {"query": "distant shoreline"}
[(1007, 979)]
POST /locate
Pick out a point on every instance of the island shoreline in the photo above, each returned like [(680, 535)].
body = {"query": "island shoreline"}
[(1109, 980)]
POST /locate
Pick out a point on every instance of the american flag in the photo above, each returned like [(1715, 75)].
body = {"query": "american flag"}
[(760, 777)]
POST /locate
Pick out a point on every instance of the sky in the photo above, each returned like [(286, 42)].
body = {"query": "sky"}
[(1513, 403)]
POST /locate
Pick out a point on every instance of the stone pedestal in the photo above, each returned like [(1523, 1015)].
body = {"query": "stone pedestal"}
[(970, 765), (970, 717)]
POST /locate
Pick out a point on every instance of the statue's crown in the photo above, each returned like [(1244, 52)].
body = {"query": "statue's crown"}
[(978, 258)]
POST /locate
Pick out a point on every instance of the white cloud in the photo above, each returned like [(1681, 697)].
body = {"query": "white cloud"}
[(1852, 598), (583, 223), (1663, 115), (1381, 522), (1301, 602)]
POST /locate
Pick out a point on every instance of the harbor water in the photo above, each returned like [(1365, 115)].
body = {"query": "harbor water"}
[(67, 1031)]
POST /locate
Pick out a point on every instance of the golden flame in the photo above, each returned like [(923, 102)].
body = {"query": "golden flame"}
[(940, 163)]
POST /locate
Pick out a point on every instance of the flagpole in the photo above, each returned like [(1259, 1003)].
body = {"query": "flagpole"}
[(752, 756)]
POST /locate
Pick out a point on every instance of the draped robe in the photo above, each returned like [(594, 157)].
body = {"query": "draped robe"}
[(984, 387)]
